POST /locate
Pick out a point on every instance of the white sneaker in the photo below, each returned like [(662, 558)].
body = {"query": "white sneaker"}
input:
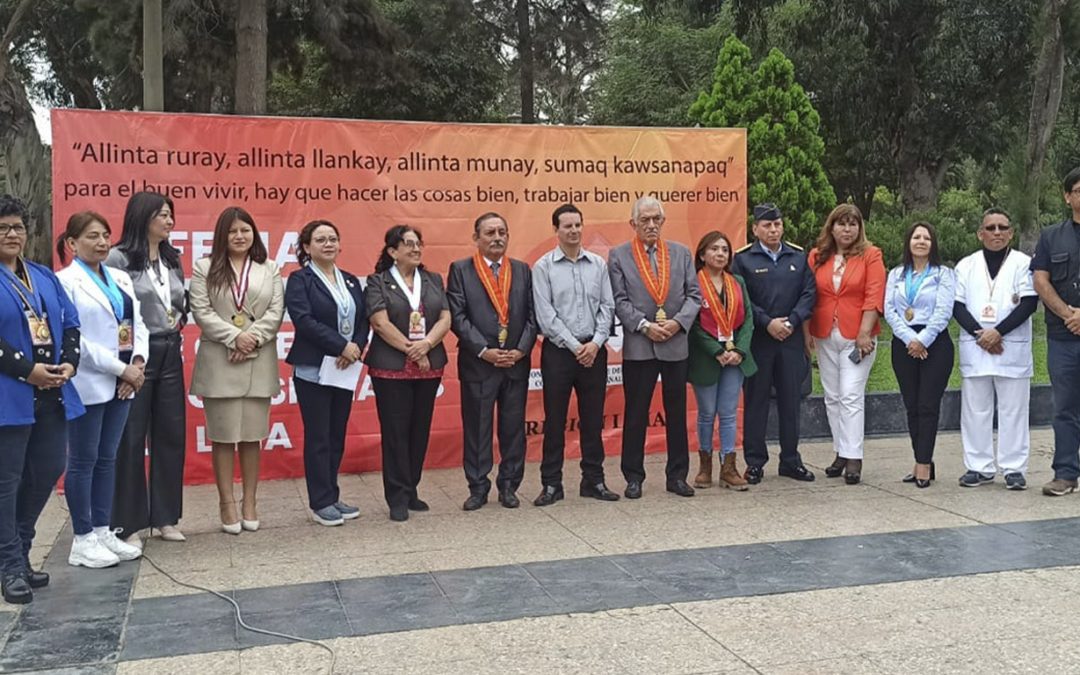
[(121, 549), (87, 551)]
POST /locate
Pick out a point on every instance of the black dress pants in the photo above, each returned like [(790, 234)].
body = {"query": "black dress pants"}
[(783, 366), (639, 382), (922, 385), (563, 375), (325, 412), (405, 408), (158, 415), (478, 409)]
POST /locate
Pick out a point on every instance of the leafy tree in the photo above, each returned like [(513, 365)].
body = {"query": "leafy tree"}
[(783, 134), (655, 66)]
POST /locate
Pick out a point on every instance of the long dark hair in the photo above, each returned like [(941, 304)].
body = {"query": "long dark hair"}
[(394, 236), (76, 225), (221, 273), (934, 259), (708, 240), (302, 256), (141, 209)]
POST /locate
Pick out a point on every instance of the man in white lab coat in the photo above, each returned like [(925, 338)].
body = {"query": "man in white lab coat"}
[(995, 299)]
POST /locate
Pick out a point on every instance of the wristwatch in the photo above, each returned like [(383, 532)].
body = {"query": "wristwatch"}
[(787, 324)]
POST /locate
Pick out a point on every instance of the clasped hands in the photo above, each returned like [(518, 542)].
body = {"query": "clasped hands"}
[(418, 353), (661, 331), (990, 340), (50, 376), (502, 358), (132, 379), (244, 344)]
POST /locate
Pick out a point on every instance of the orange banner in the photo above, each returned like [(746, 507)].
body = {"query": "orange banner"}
[(366, 176)]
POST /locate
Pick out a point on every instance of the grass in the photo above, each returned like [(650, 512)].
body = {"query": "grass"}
[(882, 377)]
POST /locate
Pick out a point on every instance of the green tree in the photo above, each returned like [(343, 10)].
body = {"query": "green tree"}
[(783, 134)]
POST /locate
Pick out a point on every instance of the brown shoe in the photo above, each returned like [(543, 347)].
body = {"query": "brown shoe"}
[(704, 476), (1059, 487), (730, 476)]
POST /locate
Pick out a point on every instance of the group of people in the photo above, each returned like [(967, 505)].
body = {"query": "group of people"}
[(91, 369)]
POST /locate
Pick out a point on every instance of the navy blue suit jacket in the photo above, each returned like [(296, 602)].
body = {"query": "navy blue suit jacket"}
[(314, 316)]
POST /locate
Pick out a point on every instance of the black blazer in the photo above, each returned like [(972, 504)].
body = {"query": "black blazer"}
[(476, 324), (314, 316), (384, 293)]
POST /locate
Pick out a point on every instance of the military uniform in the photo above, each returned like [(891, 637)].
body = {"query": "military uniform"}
[(778, 287)]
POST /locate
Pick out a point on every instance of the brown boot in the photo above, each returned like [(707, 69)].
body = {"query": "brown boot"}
[(704, 476), (730, 476)]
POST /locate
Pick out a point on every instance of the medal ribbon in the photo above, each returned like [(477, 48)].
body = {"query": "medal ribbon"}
[(657, 284), (912, 283), (240, 288), (33, 302), (414, 295), (497, 291), (723, 315), (108, 287), (342, 298)]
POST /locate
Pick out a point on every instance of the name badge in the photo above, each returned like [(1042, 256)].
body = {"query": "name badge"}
[(40, 335), (988, 314), (417, 326), (125, 336)]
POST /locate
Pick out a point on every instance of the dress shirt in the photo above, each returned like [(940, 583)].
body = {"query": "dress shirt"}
[(933, 305), (573, 299)]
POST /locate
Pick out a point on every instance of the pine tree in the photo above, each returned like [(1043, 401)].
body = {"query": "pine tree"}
[(784, 144)]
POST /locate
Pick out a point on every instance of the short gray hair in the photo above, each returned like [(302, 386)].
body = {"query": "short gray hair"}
[(643, 201)]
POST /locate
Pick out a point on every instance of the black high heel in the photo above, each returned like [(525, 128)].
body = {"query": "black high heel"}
[(925, 482), (836, 468), (910, 478)]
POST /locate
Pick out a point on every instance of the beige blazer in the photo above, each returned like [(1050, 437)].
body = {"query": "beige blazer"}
[(257, 376)]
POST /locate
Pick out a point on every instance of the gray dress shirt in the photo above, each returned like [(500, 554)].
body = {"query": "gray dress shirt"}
[(573, 299)]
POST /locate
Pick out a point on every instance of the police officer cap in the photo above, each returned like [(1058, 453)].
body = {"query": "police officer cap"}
[(766, 211)]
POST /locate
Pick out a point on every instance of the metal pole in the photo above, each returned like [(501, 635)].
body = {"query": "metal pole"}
[(153, 69)]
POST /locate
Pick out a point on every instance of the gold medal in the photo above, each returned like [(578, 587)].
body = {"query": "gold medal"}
[(909, 314), (171, 316), (414, 320), (239, 320), (124, 334), (41, 332), (503, 335), (661, 315), (729, 346)]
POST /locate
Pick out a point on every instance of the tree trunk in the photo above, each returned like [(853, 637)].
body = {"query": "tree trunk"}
[(250, 92), (525, 63), (920, 182), (153, 58), (1045, 103), (26, 165)]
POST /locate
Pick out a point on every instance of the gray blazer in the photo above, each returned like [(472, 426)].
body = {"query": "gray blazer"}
[(153, 312), (633, 303)]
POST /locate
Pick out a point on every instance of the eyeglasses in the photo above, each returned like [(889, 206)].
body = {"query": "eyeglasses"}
[(413, 244), (1075, 192), (319, 241), (19, 229), (998, 228)]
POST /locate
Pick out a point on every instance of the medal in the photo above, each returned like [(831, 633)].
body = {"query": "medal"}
[(1016, 298), (498, 292), (41, 332), (417, 326), (36, 323), (909, 314), (656, 283), (171, 316), (729, 346), (123, 335), (723, 315), (239, 320), (239, 293), (346, 327)]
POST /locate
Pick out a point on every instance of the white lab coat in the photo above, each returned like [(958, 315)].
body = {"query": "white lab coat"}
[(1013, 282)]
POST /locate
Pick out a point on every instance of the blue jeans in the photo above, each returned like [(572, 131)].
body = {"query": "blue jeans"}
[(31, 461), (719, 400), (1063, 362), (91, 465)]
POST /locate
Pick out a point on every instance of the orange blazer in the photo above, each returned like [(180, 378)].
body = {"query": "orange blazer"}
[(862, 288)]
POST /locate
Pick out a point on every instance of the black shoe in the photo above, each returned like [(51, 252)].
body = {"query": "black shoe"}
[(38, 579), (681, 488), (853, 471), (417, 504), (508, 499), (474, 502), (399, 513), (633, 490), (910, 478), (16, 589), (598, 491), (549, 496), (836, 468), (754, 474), (798, 472)]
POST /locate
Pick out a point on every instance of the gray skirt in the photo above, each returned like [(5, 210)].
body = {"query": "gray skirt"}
[(237, 420)]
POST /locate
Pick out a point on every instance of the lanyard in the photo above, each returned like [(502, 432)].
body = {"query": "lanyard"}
[(108, 287), (414, 294), (991, 283), (342, 298), (34, 302)]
